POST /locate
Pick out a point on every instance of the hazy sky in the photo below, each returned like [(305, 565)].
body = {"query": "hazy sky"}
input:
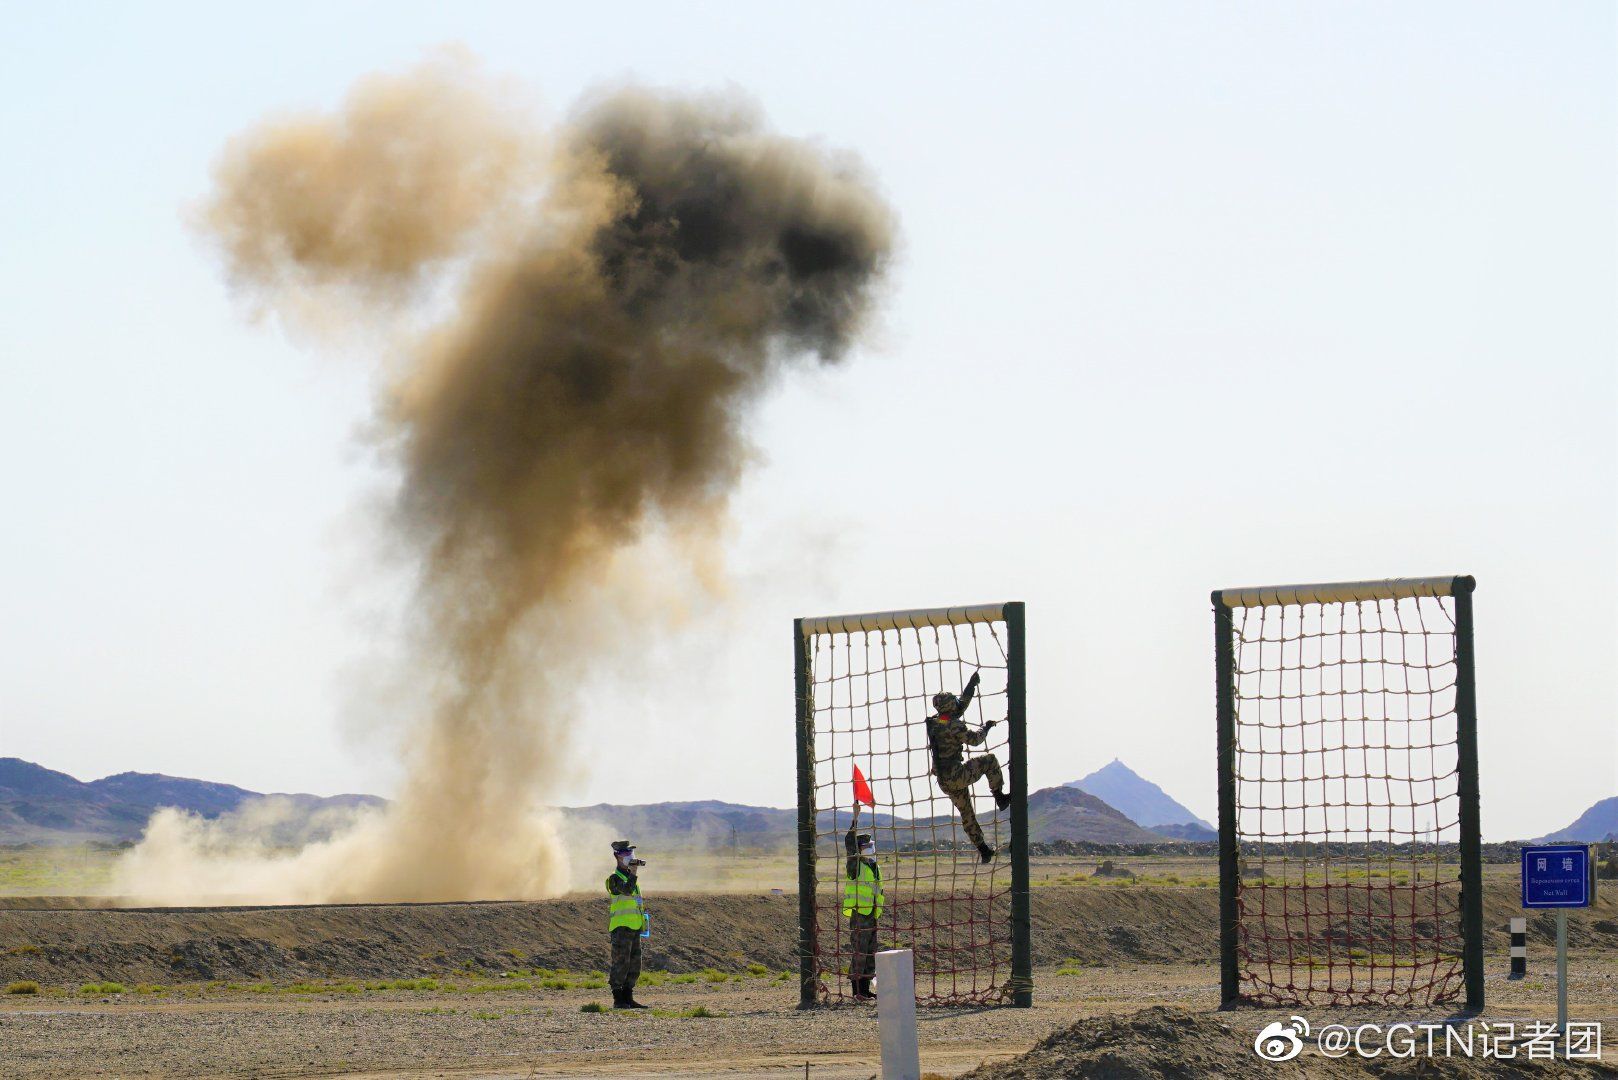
[(1189, 296)]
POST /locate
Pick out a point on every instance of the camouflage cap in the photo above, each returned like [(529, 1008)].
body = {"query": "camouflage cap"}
[(622, 847)]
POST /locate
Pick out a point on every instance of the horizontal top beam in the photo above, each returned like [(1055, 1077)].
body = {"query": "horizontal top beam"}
[(1342, 592), (896, 620)]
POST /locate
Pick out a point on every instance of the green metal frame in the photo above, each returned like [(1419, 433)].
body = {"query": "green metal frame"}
[(1466, 717), (1022, 953), (1229, 868), (805, 728), (1022, 941), (1460, 588)]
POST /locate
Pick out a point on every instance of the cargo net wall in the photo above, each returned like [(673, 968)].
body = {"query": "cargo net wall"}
[(1347, 776), (871, 696)]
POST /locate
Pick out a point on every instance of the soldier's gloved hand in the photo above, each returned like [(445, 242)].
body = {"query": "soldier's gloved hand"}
[(973, 681), (989, 726)]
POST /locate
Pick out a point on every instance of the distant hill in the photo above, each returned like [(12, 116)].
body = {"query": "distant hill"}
[(1189, 832), (40, 805), (1142, 801), (1066, 813), (1600, 822)]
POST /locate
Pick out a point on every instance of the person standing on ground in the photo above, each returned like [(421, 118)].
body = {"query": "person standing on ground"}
[(862, 906), (626, 919)]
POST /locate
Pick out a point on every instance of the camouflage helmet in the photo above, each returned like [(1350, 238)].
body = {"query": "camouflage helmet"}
[(946, 702)]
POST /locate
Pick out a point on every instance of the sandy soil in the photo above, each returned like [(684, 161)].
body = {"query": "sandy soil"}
[(543, 1033), (226, 1003)]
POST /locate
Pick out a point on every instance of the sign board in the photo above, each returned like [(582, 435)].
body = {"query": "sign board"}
[(1557, 876)]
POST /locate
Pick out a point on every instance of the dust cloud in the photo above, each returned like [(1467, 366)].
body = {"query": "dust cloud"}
[(593, 307)]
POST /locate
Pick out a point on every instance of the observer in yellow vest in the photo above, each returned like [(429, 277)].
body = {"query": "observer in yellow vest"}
[(626, 919), (862, 906)]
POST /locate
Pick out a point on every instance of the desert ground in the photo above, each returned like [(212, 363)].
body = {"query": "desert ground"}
[(498, 989)]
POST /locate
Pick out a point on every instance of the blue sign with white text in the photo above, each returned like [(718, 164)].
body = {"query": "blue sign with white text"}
[(1557, 875)]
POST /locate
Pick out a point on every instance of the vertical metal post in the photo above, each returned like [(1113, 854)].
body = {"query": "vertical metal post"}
[(1561, 970), (1466, 718), (1229, 868), (1022, 947), (803, 725)]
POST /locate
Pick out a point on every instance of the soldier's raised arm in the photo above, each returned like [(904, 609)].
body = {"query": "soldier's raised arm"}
[(966, 695)]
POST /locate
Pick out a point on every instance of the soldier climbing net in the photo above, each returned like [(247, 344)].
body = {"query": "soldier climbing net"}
[(1348, 794), (865, 685)]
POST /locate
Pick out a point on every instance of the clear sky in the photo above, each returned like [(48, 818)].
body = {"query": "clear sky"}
[(1189, 296)]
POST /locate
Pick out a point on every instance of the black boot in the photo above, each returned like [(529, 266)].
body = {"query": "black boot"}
[(986, 853), (1002, 800), (629, 999), (619, 997)]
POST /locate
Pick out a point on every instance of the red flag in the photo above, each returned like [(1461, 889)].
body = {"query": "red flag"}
[(862, 790)]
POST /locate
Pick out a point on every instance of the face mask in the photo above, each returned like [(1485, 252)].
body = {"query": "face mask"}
[(868, 849)]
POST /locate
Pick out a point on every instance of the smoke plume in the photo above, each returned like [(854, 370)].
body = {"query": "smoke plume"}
[(612, 294)]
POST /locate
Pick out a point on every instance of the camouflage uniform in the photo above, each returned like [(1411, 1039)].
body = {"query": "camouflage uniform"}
[(947, 734)]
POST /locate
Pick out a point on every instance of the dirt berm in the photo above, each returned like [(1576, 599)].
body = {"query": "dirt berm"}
[(693, 931), (63, 945), (1166, 1043)]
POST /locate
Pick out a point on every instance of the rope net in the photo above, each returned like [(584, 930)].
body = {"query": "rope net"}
[(871, 696), (1348, 811)]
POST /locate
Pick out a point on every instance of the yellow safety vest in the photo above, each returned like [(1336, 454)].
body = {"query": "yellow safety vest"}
[(624, 911), (863, 893)]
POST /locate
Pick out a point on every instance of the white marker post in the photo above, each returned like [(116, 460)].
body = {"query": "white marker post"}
[(1519, 948), (896, 1014)]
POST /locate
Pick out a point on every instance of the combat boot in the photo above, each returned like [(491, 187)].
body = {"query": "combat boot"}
[(618, 997), (1002, 800), (986, 853), (630, 1002)]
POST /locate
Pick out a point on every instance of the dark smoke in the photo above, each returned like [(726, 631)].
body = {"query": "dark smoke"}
[(624, 295)]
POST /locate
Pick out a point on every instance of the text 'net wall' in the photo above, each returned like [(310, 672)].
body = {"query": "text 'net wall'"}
[(1349, 783), (867, 684)]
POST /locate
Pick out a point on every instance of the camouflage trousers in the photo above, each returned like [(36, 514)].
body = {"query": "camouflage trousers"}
[(862, 946), (956, 782), (625, 971)]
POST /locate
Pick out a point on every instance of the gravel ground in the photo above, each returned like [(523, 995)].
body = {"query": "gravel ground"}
[(543, 1033)]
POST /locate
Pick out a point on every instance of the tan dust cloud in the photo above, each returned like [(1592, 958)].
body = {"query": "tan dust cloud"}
[(618, 291)]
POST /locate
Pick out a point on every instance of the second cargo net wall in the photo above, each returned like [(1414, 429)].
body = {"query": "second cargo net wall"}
[(1347, 804), (871, 695)]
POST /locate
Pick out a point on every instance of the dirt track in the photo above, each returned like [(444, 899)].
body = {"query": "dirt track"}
[(760, 1034), (1137, 940)]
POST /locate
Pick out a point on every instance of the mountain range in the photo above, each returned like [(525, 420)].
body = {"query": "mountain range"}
[(41, 805), (44, 806), (1113, 805)]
